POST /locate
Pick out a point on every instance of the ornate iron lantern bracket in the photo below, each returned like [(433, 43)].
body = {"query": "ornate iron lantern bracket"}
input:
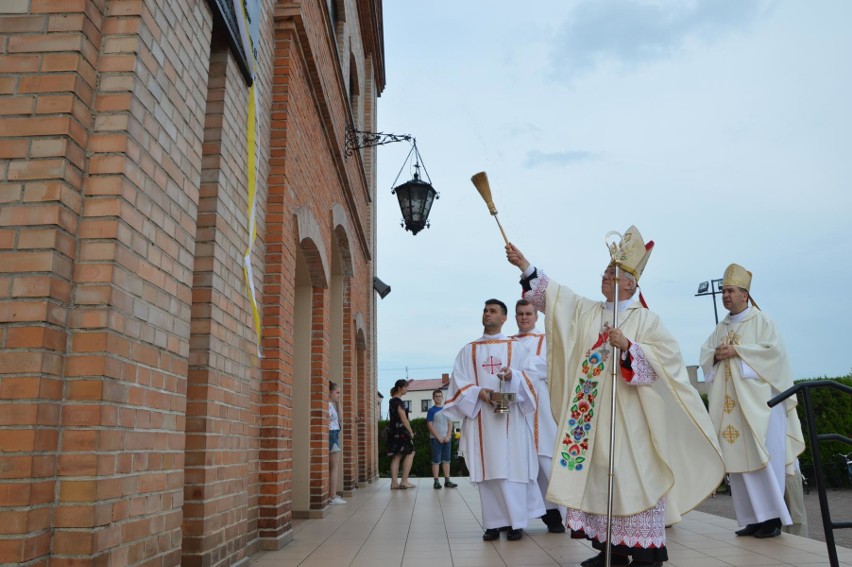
[(415, 196), (357, 139)]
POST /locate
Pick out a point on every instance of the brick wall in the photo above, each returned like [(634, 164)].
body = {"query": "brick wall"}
[(47, 85), (126, 369), (137, 425)]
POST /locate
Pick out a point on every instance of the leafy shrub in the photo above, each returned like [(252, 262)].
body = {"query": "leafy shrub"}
[(832, 410)]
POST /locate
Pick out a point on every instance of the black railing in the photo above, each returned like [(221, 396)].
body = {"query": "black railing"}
[(805, 388)]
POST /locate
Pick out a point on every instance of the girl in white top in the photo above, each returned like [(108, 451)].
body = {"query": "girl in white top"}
[(334, 442)]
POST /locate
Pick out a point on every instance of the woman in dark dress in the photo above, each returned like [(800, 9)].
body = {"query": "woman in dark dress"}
[(400, 435)]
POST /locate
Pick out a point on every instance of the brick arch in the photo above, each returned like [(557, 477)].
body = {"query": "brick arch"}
[(309, 238), (341, 231)]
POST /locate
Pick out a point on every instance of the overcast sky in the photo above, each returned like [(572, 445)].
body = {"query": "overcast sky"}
[(721, 129)]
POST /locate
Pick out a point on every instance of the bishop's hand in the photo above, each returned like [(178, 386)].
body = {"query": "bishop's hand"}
[(516, 257), (724, 352), (618, 340)]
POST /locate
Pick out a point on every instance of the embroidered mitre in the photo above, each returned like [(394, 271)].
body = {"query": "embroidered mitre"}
[(631, 254), (737, 276)]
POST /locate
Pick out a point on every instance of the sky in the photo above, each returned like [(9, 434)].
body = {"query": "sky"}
[(721, 129)]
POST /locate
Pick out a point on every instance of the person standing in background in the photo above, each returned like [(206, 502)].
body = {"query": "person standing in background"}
[(745, 365), (334, 442), (543, 424), (400, 436), (441, 429)]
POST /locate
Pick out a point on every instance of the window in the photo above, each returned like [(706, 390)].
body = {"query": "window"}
[(407, 404), (424, 405)]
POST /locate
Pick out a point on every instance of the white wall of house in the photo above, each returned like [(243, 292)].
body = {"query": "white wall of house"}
[(419, 403)]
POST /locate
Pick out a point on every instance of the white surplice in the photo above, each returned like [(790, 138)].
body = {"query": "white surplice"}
[(543, 423), (498, 448)]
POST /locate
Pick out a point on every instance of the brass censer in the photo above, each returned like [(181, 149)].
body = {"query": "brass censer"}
[(501, 399)]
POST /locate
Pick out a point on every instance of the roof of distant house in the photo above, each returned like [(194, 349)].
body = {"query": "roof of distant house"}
[(430, 384)]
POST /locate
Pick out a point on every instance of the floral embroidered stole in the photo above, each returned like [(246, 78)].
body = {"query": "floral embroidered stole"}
[(579, 430)]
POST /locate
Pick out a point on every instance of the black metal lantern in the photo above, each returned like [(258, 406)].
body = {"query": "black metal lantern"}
[(415, 196), (415, 201)]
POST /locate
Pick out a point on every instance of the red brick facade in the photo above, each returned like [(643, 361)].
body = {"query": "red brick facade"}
[(138, 425)]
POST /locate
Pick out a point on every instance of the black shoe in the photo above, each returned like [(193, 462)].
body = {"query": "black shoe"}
[(491, 534), (769, 528), (514, 535), (599, 560), (646, 564), (553, 520), (750, 529), (505, 528), (596, 561), (450, 484), (768, 532), (437, 484)]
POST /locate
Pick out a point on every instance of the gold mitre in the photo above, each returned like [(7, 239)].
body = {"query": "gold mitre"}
[(631, 254), (737, 276)]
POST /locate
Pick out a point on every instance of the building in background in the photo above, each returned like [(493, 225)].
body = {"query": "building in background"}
[(697, 382), (153, 410), (418, 397)]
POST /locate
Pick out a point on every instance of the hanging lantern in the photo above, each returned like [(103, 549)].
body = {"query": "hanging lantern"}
[(415, 197), (415, 201)]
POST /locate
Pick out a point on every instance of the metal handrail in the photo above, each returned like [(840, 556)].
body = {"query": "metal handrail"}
[(805, 387)]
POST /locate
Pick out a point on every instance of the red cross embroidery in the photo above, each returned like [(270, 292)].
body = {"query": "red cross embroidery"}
[(491, 365)]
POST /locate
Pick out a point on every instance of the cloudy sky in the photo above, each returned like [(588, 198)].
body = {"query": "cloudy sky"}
[(722, 129)]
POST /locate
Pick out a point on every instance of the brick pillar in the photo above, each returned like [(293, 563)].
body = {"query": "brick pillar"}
[(319, 399), (364, 409), (371, 416), (48, 57), (275, 513), (121, 482), (221, 427), (350, 461)]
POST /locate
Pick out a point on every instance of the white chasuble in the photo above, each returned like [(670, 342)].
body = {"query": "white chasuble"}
[(666, 452), (740, 388)]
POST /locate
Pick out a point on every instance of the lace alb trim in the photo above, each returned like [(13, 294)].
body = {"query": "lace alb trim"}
[(536, 295), (643, 371), (646, 529)]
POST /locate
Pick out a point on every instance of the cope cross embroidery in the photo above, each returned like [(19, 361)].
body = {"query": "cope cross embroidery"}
[(491, 365)]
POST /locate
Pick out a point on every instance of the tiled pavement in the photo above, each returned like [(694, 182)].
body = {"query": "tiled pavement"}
[(424, 527), (840, 505)]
